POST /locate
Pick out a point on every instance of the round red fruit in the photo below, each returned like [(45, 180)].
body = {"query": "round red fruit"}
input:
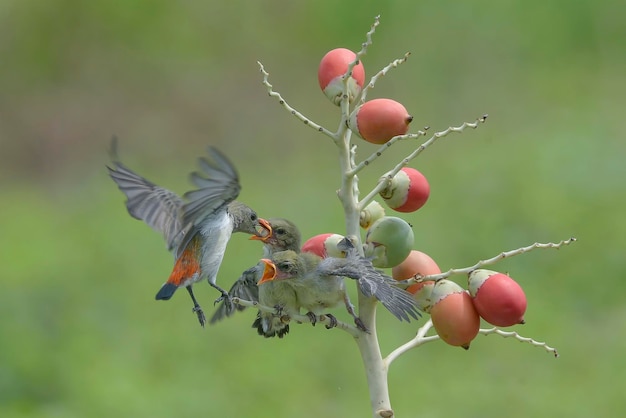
[(453, 314), (498, 298), (379, 120), (416, 262), (333, 67), (323, 245), (407, 192)]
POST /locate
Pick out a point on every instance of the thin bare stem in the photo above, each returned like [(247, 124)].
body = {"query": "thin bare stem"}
[(381, 73), (506, 254), (383, 182), (345, 103), (368, 37), (419, 339), (518, 337), (384, 148), (323, 319), (294, 112)]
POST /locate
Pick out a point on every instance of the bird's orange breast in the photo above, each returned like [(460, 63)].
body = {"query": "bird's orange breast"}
[(187, 266)]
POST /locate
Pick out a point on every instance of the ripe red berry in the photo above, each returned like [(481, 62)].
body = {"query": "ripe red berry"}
[(453, 314), (417, 262), (324, 245), (408, 191), (498, 299), (333, 67), (379, 120)]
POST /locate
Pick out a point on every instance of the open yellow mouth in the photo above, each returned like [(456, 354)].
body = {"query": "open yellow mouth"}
[(269, 271)]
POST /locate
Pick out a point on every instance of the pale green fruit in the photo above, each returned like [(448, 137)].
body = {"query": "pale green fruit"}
[(389, 241)]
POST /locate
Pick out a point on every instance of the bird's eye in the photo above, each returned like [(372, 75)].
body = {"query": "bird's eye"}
[(253, 217), (283, 266), (280, 231)]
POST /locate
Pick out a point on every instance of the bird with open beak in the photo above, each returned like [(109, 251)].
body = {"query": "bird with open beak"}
[(196, 227), (285, 236), (318, 282)]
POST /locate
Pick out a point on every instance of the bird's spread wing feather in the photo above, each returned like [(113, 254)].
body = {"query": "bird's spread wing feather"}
[(373, 283), (218, 185), (245, 288), (156, 206)]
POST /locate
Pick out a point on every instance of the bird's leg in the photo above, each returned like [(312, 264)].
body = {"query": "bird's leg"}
[(228, 303), (285, 319), (312, 317), (350, 308), (196, 308), (333, 321)]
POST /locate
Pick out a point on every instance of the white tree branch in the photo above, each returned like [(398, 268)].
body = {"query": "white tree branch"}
[(506, 254), (506, 334), (384, 181), (294, 112)]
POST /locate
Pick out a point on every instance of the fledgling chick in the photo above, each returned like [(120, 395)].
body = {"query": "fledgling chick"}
[(316, 292), (319, 285), (197, 228), (285, 236), (371, 282)]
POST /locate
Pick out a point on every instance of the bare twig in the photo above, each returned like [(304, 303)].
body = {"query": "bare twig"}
[(384, 148), (506, 254), (421, 338), (382, 183), (418, 340), (518, 337), (381, 73), (368, 38), (294, 112)]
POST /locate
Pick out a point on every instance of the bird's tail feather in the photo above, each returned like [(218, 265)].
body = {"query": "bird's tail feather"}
[(166, 291), (269, 328)]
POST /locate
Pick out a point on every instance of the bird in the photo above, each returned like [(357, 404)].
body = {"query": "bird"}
[(318, 282), (371, 281), (280, 295), (196, 227), (285, 236), (314, 292)]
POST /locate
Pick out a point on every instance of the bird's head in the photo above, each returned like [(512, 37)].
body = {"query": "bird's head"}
[(283, 265), (284, 235)]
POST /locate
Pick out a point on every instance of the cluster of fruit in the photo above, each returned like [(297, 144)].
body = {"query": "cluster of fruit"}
[(376, 121), (455, 311)]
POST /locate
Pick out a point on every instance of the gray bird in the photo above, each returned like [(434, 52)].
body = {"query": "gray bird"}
[(285, 236), (318, 282), (315, 292), (197, 228)]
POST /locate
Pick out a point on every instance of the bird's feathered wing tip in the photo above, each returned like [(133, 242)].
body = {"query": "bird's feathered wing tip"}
[(159, 208), (373, 283), (218, 185), (244, 288)]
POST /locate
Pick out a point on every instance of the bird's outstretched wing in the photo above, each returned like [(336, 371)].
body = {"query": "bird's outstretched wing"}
[(218, 185), (156, 206), (244, 288), (372, 282)]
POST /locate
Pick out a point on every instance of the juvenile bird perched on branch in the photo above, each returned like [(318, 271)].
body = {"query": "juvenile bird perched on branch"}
[(196, 228), (285, 236), (319, 285)]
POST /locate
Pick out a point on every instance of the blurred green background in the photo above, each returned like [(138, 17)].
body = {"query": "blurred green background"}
[(80, 332)]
